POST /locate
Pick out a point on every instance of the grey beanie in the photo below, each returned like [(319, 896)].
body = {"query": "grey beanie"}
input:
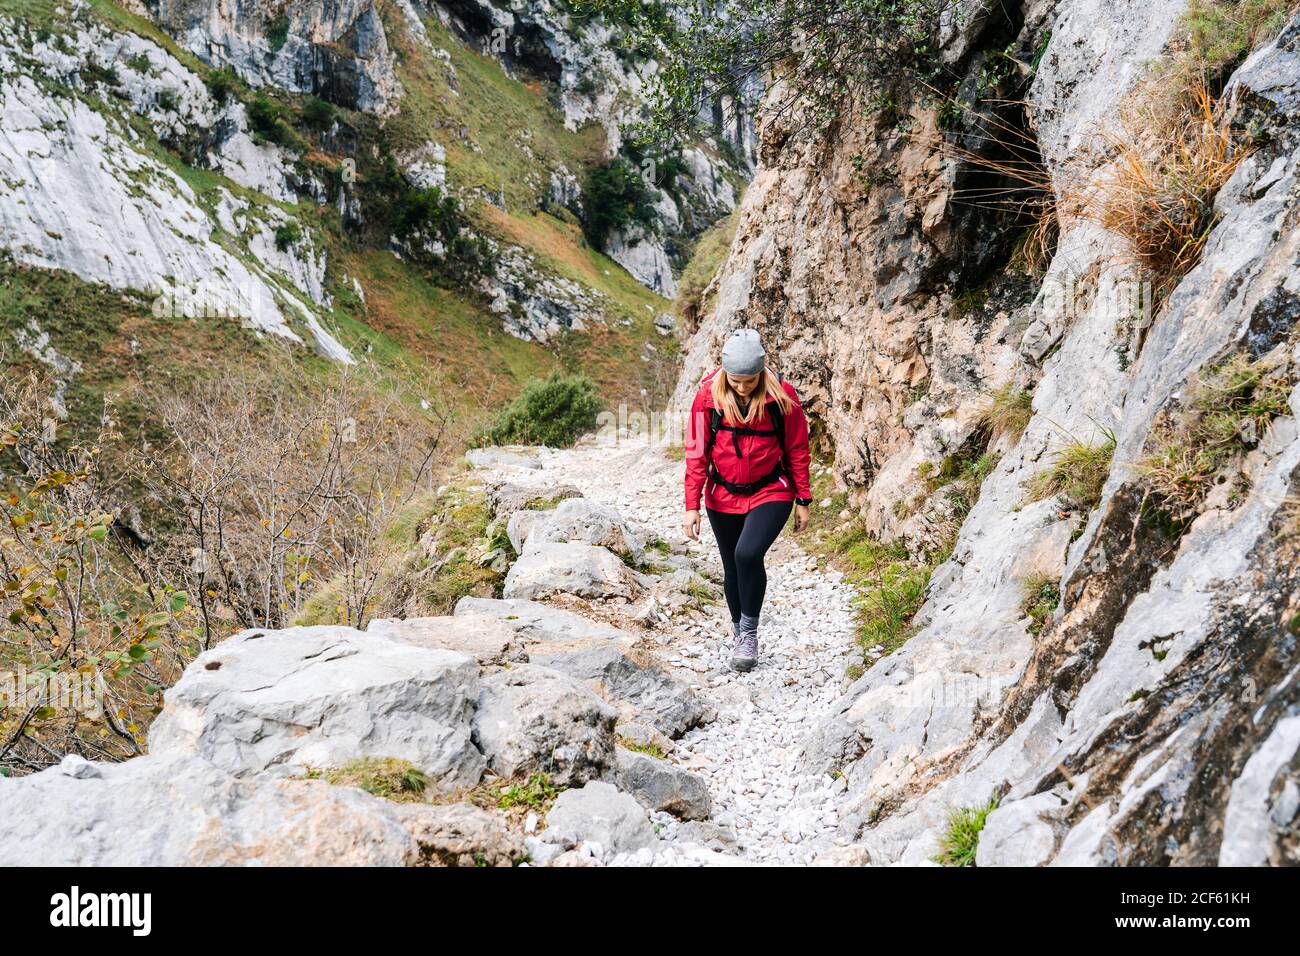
[(743, 353)]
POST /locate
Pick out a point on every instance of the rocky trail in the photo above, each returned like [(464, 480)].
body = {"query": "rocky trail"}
[(587, 716), (766, 808)]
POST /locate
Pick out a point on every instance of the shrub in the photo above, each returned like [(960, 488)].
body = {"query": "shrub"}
[(169, 101), (961, 839), (319, 114), (107, 75), (1042, 597), (552, 411), (430, 221), (1226, 410), (288, 235), (277, 33), (222, 84), (1008, 409), (386, 777), (90, 617), (615, 196), (1077, 472), (266, 118)]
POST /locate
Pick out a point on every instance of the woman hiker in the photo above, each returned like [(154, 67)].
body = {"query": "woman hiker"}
[(747, 451)]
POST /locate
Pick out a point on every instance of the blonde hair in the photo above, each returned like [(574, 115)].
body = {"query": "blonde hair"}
[(726, 400)]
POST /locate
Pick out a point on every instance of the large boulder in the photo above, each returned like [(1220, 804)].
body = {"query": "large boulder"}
[(661, 785), (600, 813), (642, 690), (583, 570), (583, 521), (179, 810), (505, 498), (285, 701), (542, 623), (532, 719), (484, 637), (520, 525)]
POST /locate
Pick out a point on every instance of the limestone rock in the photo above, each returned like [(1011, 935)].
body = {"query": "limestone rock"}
[(284, 701), (602, 814), (1021, 833), (483, 637), (583, 521), (854, 855), (457, 834), (337, 48), (554, 627), (178, 810), (521, 525), (634, 683), (505, 498), (662, 785), (532, 719), (583, 570)]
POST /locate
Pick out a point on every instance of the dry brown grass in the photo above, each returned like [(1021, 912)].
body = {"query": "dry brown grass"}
[(1226, 410), (1158, 194), (1021, 184), (1077, 472), (1008, 410)]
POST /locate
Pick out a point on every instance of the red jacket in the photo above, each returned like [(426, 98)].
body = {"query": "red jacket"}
[(759, 455)]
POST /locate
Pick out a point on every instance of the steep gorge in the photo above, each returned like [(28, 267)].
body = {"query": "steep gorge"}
[(1157, 704), (1100, 499)]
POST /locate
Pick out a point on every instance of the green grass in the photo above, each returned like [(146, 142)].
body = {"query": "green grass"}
[(387, 777), (1221, 33), (492, 108), (1076, 473), (1041, 598), (707, 258), (1226, 410), (889, 583), (537, 793), (961, 839), (962, 476), (650, 750), (97, 326), (700, 592), (892, 589), (1008, 409)]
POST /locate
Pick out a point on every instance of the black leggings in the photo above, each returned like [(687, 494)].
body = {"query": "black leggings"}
[(743, 539)]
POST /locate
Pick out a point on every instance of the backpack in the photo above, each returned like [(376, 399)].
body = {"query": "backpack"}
[(716, 424)]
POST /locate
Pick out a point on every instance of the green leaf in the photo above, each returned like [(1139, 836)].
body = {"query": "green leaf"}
[(137, 652), (179, 600)]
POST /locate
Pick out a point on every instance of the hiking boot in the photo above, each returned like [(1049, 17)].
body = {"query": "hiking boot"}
[(745, 654)]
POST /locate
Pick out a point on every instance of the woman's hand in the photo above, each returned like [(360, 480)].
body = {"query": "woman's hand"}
[(800, 518), (691, 524)]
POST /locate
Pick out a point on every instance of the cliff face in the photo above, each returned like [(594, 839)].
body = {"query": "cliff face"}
[(251, 164), (1153, 719)]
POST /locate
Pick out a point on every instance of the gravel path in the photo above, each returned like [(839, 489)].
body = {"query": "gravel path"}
[(750, 754)]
